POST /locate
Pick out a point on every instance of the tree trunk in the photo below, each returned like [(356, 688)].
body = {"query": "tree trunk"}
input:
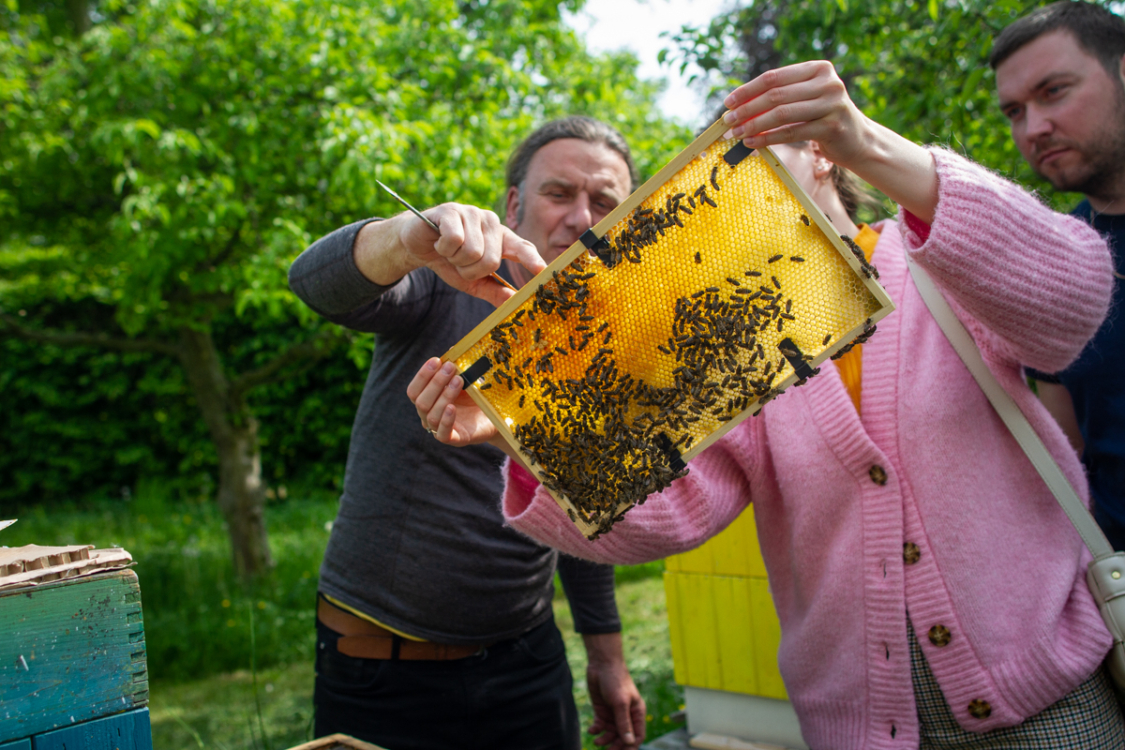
[(235, 434), (78, 16)]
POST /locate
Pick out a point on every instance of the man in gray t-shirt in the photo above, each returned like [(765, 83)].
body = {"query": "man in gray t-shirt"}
[(435, 626)]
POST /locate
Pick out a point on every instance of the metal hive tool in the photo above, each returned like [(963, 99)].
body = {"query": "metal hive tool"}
[(709, 291)]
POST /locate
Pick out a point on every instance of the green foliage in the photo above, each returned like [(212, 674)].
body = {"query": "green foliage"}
[(81, 424), (163, 171), (117, 416), (176, 160), (918, 67)]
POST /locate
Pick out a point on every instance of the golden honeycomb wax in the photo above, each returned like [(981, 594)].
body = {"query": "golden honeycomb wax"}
[(713, 288)]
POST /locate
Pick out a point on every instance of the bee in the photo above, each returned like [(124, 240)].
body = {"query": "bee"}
[(805, 220), (796, 259), (714, 174), (698, 258), (521, 401), (485, 387), (733, 281), (776, 283), (775, 258), (753, 273), (606, 339)]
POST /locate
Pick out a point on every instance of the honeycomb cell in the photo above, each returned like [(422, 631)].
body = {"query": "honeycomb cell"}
[(714, 292)]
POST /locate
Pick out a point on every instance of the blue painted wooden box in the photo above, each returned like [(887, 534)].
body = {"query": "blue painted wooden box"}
[(127, 731), (70, 651)]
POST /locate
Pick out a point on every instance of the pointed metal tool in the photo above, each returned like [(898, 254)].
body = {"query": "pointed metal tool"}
[(434, 226)]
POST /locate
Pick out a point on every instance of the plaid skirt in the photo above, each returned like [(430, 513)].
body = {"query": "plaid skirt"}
[(1088, 718)]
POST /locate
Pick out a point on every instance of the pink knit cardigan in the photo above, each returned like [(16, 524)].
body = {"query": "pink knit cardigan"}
[(1001, 568)]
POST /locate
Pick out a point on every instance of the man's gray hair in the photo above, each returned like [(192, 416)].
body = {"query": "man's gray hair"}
[(576, 126)]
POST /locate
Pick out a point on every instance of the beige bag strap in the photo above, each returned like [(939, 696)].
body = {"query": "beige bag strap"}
[(1010, 412)]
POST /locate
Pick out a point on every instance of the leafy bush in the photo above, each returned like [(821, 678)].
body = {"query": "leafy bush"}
[(81, 424)]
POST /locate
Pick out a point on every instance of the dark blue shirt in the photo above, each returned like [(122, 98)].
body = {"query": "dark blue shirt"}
[(1096, 382)]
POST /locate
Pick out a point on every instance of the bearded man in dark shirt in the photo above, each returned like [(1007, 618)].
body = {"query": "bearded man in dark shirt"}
[(434, 625), (1060, 74)]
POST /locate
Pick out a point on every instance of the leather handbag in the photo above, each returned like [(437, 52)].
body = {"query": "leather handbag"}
[(1106, 574)]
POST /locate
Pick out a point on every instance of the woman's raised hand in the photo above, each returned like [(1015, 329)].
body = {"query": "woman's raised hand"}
[(802, 102), (809, 102)]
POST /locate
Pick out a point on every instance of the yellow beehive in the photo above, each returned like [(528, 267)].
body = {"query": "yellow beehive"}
[(723, 626), (713, 288)]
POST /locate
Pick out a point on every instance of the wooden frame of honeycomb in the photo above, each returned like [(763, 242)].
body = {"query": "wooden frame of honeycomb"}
[(713, 288)]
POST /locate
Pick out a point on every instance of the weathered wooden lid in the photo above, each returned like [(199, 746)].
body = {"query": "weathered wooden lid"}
[(33, 564)]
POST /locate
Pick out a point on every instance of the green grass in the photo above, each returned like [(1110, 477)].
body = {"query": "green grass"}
[(197, 619), (220, 713)]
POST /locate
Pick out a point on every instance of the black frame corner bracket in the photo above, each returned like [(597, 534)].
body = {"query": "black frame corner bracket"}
[(476, 371), (737, 153)]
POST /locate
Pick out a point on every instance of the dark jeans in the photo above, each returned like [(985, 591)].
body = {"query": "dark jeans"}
[(515, 694)]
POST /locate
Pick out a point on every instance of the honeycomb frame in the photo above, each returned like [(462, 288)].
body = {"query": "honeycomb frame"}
[(637, 397)]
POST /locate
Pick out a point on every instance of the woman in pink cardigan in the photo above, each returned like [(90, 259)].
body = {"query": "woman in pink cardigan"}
[(930, 589)]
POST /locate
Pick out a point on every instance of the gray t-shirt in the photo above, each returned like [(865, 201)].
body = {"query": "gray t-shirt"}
[(419, 542)]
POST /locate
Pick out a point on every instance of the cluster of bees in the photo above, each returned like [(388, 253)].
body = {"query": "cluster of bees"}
[(646, 225), (580, 435), (865, 267)]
